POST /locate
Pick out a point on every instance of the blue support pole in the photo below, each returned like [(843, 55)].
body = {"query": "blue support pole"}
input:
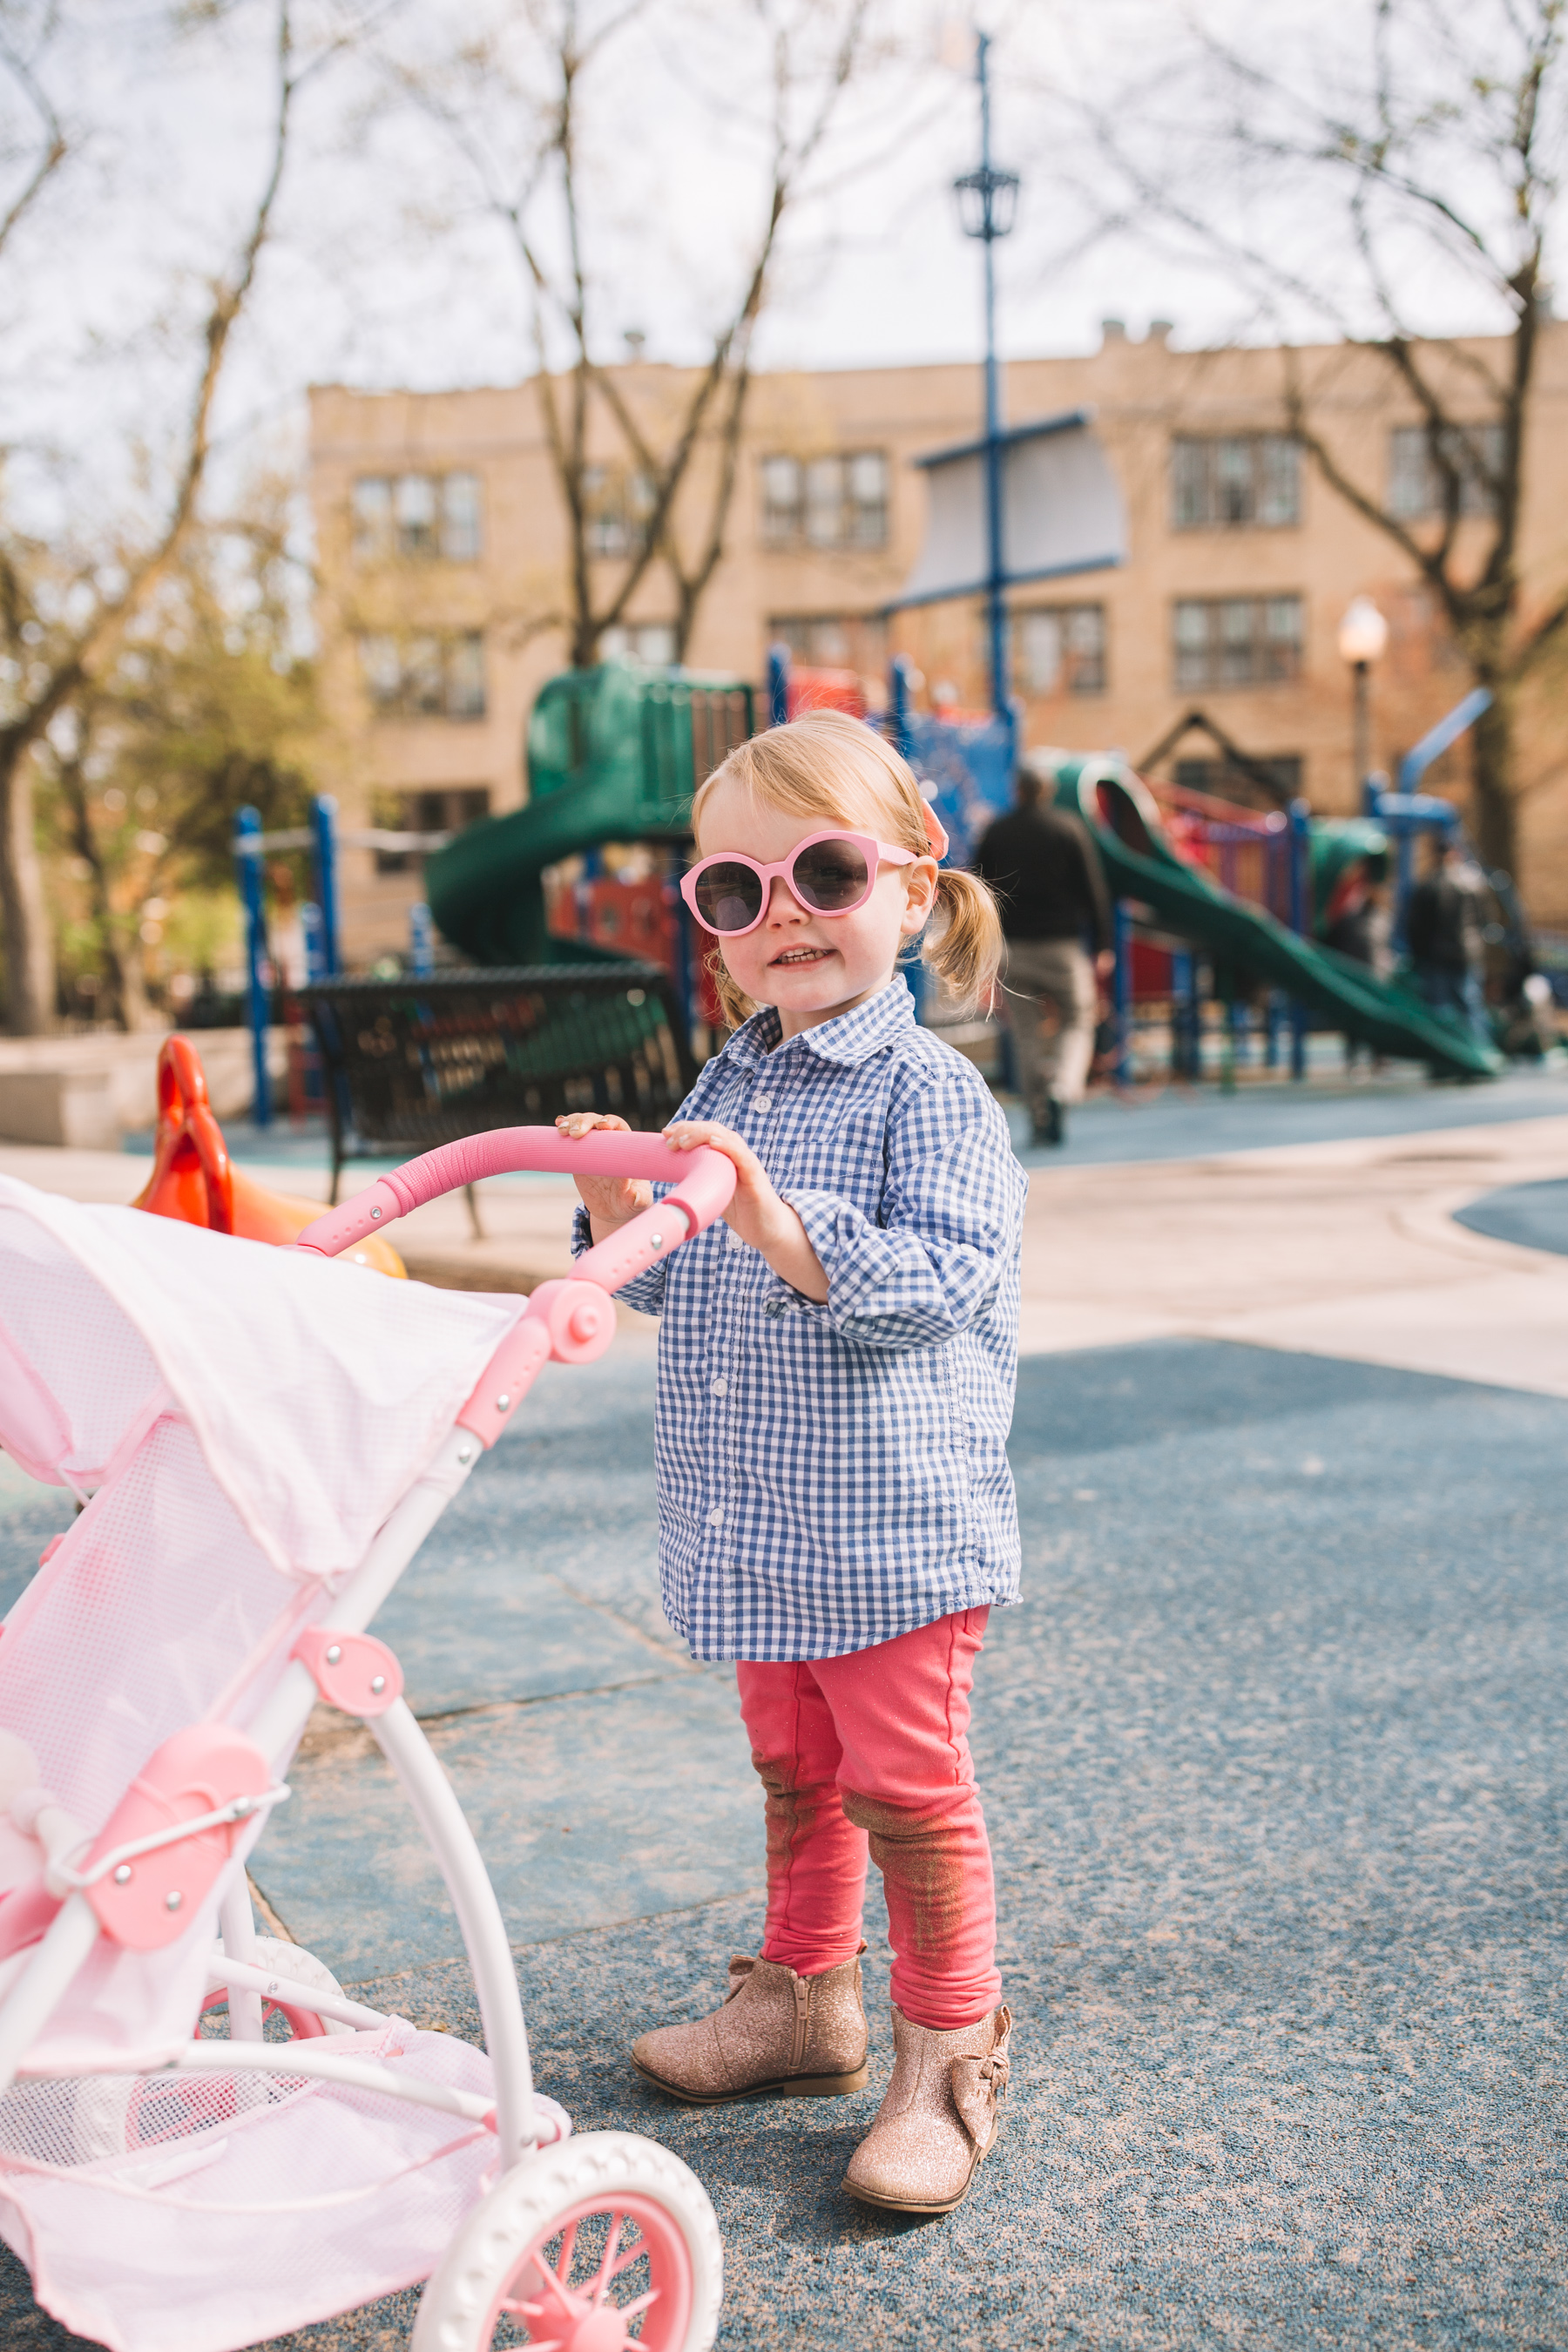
[(1121, 993), (1183, 1009), (252, 883), (421, 940), (898, 705), (1301, 921), (995, 602), (311, 931), (324, 828), (778, 685), (1436, 740)]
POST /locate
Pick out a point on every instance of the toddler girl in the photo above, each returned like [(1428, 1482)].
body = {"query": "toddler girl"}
[(836, 1366)]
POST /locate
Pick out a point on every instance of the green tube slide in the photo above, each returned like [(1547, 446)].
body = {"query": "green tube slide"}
[(613, 755), (1124, 819)]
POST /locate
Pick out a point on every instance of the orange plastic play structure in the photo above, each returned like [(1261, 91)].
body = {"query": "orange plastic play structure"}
[(193, 1179)]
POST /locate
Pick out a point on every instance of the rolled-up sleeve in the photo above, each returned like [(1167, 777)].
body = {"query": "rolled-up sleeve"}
[(643, 1291), (930, 1265)]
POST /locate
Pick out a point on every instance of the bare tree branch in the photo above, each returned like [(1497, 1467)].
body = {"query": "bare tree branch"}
[(72, 666), (52, 146)]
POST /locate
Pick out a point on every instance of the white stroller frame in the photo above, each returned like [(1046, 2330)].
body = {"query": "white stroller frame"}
[(498, 2264)]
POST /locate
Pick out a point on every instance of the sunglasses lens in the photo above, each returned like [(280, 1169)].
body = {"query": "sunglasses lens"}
[(830, 876), (728, 897)]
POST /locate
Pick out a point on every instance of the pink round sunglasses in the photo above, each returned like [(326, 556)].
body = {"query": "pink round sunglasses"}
[(827, 874)]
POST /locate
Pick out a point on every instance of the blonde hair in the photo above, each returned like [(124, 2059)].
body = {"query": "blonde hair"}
[(825, 764)]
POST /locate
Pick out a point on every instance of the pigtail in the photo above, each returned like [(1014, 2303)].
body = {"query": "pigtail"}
[(967, 951), (734, 1004)]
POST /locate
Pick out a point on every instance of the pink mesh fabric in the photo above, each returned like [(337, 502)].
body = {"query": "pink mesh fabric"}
[(254, 1416), (203, 2213), (317, 1392), (54, 1320)]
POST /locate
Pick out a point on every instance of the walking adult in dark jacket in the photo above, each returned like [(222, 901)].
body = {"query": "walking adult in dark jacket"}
[(1443, 933), (1046, 872)]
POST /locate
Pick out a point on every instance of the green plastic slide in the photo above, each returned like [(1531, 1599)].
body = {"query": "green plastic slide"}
[(613, 755), (1140, 864)]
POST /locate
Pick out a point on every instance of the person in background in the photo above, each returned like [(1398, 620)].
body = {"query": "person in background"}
[(1443, 933), (1046, 873)]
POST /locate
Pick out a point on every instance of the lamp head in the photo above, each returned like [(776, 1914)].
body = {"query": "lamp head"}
[(987, 203), (1363, 633)]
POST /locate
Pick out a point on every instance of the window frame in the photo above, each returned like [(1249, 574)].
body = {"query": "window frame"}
[(1201, 465), (1485, 439), (415, 676), (839, 511), (1067, 679), (1235, 659), (444, 537)]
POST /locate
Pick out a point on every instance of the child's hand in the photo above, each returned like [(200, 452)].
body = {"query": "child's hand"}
[(610, 1201), (756, 1211)]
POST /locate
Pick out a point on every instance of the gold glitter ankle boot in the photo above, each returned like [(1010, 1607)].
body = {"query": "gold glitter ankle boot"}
[(778, 2034), (939, 2118)]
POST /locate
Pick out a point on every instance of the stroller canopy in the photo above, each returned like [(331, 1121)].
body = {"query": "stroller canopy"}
[(317, 1392)]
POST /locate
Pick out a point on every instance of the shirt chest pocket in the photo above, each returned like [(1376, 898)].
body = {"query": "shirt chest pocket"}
[(829, 1146)]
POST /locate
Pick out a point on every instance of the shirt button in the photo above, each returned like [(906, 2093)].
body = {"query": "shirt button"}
[(720, 1386), (733, 1239), (716, 1517), (762, 1103)]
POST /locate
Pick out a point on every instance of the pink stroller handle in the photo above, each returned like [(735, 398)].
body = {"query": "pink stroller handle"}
[(704, 1181)]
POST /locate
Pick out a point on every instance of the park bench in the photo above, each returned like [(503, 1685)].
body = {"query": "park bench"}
[(411, 1062)]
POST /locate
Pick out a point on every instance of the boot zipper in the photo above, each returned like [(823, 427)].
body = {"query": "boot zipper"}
[(802, 2024)]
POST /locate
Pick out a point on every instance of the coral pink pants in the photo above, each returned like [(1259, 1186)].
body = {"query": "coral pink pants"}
[(873, 1750)]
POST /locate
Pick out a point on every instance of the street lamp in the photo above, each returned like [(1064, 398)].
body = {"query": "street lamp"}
[(987, 207), (1363, 637)]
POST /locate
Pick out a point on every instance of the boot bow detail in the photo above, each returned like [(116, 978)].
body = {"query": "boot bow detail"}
[(977, 2083)]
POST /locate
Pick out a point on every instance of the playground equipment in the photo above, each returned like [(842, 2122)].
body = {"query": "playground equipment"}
[(266, 1442), (318, 917), (194, 1180), (614, 755), (1144, 868)]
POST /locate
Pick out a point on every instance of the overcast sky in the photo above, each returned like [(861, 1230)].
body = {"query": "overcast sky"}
[(386, 269)]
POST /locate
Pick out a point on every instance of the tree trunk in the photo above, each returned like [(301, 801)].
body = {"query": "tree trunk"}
[(29, 953), (1497, 829)]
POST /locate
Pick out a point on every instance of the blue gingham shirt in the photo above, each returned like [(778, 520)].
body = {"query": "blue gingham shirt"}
[(832, 1474)]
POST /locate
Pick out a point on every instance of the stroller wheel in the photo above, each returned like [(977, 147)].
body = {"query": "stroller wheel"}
[(602, 2243), (293, 1961), (301, 1967)]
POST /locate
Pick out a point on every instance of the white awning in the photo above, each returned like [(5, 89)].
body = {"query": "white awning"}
[(1062, 511)]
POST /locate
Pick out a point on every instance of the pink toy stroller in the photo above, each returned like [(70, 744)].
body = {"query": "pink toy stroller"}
[(262, 1440)]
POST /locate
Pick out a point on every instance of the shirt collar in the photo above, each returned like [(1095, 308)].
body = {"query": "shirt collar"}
[(853, 1037)]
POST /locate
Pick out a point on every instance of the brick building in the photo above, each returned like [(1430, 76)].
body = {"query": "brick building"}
[(441, 548)]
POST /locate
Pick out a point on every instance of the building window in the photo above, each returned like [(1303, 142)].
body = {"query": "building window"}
[(617, 509), (425, 676), (1061, 649), (1233, 481), (1416, 485), (643, 644), (1237, 641), (417, 516), (445, 812), (832, 640), (837, 501)]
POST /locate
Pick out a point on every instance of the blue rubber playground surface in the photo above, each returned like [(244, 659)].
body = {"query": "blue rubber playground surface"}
[(1275, 1762)]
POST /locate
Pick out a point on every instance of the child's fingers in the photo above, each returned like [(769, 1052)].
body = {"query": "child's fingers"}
[(575, 1124), (687, 1134)]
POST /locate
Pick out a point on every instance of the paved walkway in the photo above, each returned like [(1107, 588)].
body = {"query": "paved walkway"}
[(1274, 1756)]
